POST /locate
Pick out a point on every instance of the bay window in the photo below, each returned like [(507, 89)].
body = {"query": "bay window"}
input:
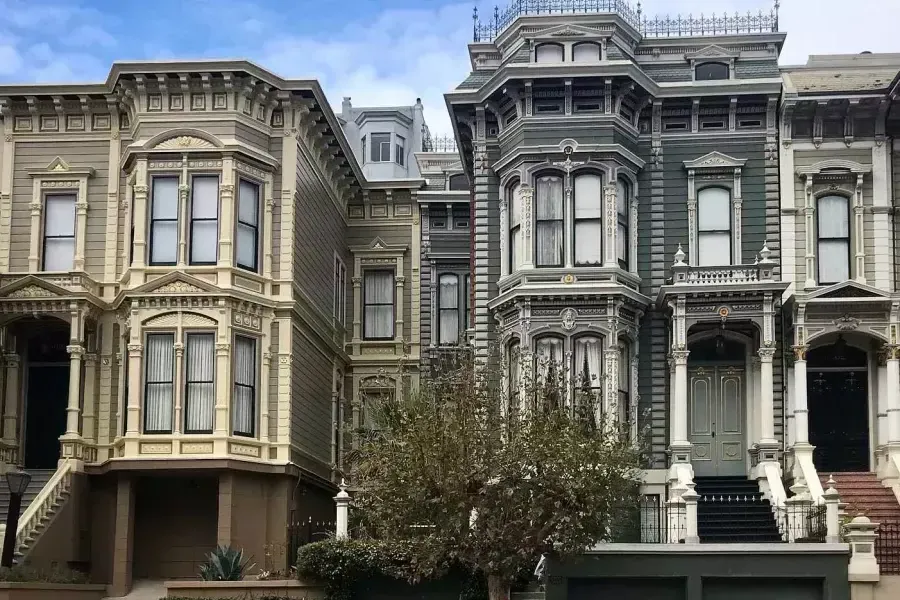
[(199, 382), (548, 365), (833, 239), (448, 309), (549, 221), (588, 219), (244, 396), (624, 407), (204, 226), (400, 150), (587, 371), (623, 197), (513, 198), (381, 147), (159, 382), (714, 227), (378, 305), (246, 247), (59, 232), (164, 221), (513, 374)]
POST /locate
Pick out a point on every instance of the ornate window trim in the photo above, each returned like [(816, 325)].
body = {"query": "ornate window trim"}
[(714, 170), (712, 54), (378, 255), (58, 176)]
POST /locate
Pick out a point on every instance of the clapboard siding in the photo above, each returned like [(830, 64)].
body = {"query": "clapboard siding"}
[(311, 377)]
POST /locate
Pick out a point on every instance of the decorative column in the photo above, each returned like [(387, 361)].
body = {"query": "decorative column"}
[(34, 247), (223, 362), (121, 400), (767, 398), (832, 518), (357, 308), (693, 249), (139, 211), (859, 231), (611, 376), (881, 420), (609, 226), (801, 413), (11, 404), (264, 396), (504, 235), (433, 306), (81, 210), (526, 193), (89, 417), (679, 408), (184, 190), (226, 219), (135, 354), (399, 281), (342, 515), (76, 352), (179, 389), (893, 393), (690, 498), (809, 214), (267, 230), (568, 218)]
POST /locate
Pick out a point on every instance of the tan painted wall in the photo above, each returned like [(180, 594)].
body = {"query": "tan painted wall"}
[(67, 538)]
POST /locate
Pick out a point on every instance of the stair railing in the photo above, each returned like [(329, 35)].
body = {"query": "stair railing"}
[(774, 490), (43, 503)]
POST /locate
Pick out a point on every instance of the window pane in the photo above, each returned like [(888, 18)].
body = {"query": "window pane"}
[(60, 215), (199, 387), (588, 197), (204, 241), (378, 140), (165, 198), (164, 242), (379, 287), (714, 208), (244, 360), (588, 360), (621, 242), (548, 356), (246, 246), (586, 53), (834, 261), (449, 333), (449, 291), (248, 203), (621, 197), (59, 254), (549, 198), (834, 218), (549, 243), (714, 249), (515, 249), (244, 398), (205, 197), (549, 53), (379, 322), (159, 375), (711, 71), (458, 183), (513, 203), (588, 249)]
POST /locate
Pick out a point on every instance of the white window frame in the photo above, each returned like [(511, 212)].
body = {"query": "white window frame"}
[(254, 386), (188, 382), (192, 220), (381, 147), (393, 304), (547, 45), (714, 232), (848, 205), (256, 228), (707, 171), (55, 197), (146, 382), (340, 291), (151, 221), (400, 150)]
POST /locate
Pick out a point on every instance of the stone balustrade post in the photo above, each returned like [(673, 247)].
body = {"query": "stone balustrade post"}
[(342, 516), (861, 535), (690, 498), (832, 519), (798, 508), (675, 514)]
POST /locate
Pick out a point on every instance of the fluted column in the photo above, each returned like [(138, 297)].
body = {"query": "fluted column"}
[(73, 410), (135, 354), (893, 393), (89, 416), (801, 413), (504, 234), (81, 210), (179, 389), (610, 225), (223, 362), (767, 396), (34, 246), (611, 403), (11, 401), (264, 398), (680, 398)]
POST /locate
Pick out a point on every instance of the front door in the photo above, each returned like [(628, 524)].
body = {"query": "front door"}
[(716, 420), (838, 422), (45, 418)]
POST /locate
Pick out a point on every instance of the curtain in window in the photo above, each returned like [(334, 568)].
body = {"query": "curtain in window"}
[(624, 384), (378, 297), (468, 302), (834, 239), (204, 219), (549, 53), (714, 226), (247, 225), (587, 371), (586, 53), (515, 227), (549, 217), (622, 198), (588, 219), (164, 220), (159, 376), (59, 232), (200, 393), (548, 357), (244, 409), (448, 303), (513, 375)]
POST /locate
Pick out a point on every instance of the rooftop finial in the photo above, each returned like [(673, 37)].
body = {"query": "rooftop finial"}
[(639, 10)]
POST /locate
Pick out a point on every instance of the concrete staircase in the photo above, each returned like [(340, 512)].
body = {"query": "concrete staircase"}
[(39, 480)]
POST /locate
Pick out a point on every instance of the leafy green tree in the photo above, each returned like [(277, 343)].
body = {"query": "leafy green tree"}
[(491, 476)]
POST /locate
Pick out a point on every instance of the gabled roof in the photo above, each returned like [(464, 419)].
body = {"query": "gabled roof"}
[(176, 283), (847, 290)]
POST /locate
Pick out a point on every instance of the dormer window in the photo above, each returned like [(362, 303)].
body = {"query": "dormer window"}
[(586, 52), (381, 147), (549, 53), (459, 183), (711, 71)]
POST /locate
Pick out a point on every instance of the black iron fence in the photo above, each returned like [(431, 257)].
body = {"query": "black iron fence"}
[(651, 522), (440, 143), (887, 547), (302, 532), (802, 523), (485, 30)]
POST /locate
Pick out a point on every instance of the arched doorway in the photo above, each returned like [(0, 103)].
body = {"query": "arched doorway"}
[(717, 404), (45, 389), (837, 396)]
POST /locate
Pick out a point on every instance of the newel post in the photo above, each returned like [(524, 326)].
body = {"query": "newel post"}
[(832, 521), (863, 564), (690, 498), (342, 518)]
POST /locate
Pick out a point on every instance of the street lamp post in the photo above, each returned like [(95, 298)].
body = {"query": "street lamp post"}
[(17, 479)]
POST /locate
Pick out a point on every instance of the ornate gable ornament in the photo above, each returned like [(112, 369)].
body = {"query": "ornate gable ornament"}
[(563, 31), (175, 284), (715, 160), (184, 142), (849, 289), (711, 52), (32, 291)]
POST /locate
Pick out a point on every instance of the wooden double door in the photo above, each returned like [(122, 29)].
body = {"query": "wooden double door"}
[(717, 420)]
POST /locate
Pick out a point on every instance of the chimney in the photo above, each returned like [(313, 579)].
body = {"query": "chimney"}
[(346, 106)]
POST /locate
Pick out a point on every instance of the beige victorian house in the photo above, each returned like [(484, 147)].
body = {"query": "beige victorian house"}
[(191, 263)]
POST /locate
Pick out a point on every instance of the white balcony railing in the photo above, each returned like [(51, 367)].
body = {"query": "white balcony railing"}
[(760, 271)]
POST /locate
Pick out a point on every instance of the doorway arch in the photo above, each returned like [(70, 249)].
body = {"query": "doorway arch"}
[(837, 389)]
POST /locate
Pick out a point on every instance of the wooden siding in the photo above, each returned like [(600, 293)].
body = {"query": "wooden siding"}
[(311, 382)]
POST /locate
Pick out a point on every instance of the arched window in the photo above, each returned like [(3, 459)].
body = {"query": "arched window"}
[(516, 251), (459, 182), (623, 198), (711, 71), (548, 369), (586, 52), (448, 309), (548, 53), (588, 219), (833, 219), (587, 372), (549, 221), (714, 226)]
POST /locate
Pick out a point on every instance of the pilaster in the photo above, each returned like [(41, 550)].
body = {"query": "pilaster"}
[(112, 196), (610, 260), (178, 347), (7, 151), (226, 221), (89, 416)]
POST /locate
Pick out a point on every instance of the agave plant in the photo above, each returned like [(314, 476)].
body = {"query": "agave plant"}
[(225, 564)]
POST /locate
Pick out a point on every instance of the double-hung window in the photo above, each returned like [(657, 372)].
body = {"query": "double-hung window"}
[(714, 227), (204, 219), (381, 147), (515, 227), (340, 286), (246, 249), (400, 148), (164, 221), (588, 219), (59, 232), (378, 305), (199, 382), (159, 382), (622, 201), (467, 302), (549, 221), (244, 396), (448, 309), (833, 216)]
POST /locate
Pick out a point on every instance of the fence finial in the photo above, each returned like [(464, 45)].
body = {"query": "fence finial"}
[(342, 515)]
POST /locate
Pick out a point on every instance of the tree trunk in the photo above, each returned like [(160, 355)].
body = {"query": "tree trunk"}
[(498, 587)]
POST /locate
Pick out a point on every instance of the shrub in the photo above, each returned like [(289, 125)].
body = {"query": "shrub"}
[(55, 574), (225, 564)]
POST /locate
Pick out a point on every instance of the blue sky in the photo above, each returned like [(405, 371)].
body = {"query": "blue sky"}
[(384, 52)]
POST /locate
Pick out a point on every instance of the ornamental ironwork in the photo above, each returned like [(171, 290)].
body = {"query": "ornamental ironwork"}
[(724, 24), (441, 143)]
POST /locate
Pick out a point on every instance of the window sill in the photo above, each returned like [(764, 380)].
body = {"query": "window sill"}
[(546, 276)]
